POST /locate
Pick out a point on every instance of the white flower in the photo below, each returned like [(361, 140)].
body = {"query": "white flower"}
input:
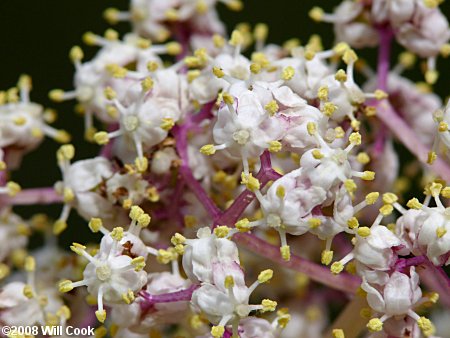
[(163, 160), (397, 297), (80, 180), (129, 188), (201, 254), (376, 250)]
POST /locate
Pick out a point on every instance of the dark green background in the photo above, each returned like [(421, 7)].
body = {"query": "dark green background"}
[(36, 36)]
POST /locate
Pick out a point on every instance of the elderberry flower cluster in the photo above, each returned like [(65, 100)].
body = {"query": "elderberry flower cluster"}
[(234, 175)]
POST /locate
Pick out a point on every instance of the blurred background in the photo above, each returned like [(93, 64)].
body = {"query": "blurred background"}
[(36, 37)]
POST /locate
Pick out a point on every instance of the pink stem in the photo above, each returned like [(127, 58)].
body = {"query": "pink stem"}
[(437, 280), (343, 282), (178, 296), (34, 196), (392, 120)]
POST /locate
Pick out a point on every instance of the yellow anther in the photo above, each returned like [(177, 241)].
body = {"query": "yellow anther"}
[(272, 108), (386, 209), (110, 93), (363, 158), (208, 149), (28, 291), (90, 39), (101, 138), (4, 270), (349, 56), (274, 146), (237, 38), (336, 268), (111, 15), (261, 31), (341, 48), (431, 157), (322, 93), (64, 312), (65, 152), (368, 175), (255, 68), (135, 212), (13, 188), (227, 98), (252, 183), (235, 5), (290, 44), (309, 54), (268, 305), (192, 61), (363, 232), (152, 66), (218, 72), (287, 73), (167, 123), (445, 192), (281, 192), (314, 223), (407, 59), (68, 195), (317, 154), (326, 257), (441, 231), (62, 136), (101, 315), (380, 94), (201, 7), (426, 326), (285, 252), (78, 248), (433, 297), (370, 111), (432, 3), (372, 197), (111, 34), (95, 224), (431, 76), (265, 276), (178, 239), (375, 325), (316, 13), (414, 204), (353, 223), (229, 282), (443, 127), (2, 165), (445, 50), (218, 41), (147, 84), (312, 128), (19, 120), (338, 333), (117, 233), (172, 14), (138, 263), (65, 286), (56, 95), (389, 198), (350, 185), (128, 297), (355, 138), (339, 132), (341, 75), (243, 225), (192, 75), (435, 189), (174, 48), (261, 59), (30, 264), (76, 54), (329, 108), (144, 220), (59, 226), (117, 71), (217, 331), (141, 164), (166, 256), (222, 231)]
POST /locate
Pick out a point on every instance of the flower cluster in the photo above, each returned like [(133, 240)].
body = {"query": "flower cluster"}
[(231, 173)]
